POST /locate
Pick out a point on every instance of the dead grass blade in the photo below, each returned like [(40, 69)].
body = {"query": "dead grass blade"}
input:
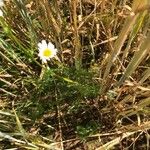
[(136, 28), (136, 60), (130, 21), (117, 140), (20, 127), (145, 75), (128, 26), (14, 140)]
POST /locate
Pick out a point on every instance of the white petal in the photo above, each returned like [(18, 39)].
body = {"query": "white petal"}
[(44, 60), (44, 44), (50, 46), (39, 44), (1, 13), (1, 3), (51, 56), (40, 54), (54, 51)]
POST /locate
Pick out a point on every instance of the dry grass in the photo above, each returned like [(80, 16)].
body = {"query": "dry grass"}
[(95, 94)]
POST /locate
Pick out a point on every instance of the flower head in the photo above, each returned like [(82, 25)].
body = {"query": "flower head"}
[(46, 50)]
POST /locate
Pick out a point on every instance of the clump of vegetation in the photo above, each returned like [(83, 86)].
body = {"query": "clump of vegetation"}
[(74, 72), (63, 86)]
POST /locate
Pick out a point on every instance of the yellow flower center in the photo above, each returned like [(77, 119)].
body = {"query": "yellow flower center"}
[(47, 52)]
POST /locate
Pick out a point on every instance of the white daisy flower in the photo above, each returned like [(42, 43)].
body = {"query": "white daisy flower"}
[(46, 51)]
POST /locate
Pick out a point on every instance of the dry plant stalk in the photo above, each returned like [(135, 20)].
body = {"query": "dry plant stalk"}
[(50, 17), (136, 60), (77, 45), (112, 143), (128, 26)]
